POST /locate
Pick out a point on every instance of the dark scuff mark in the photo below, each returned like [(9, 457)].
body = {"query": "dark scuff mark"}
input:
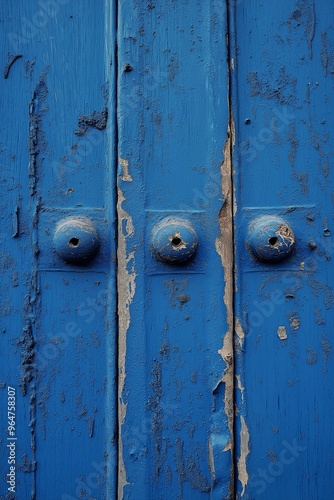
[(157, 418), (164, 349), (292, 138), (318, 316), (29, 374), (29, 68), (176, 289), (95, 339), (324, 53), (183, 298), (318, 287), (312, 356), (91, 426), (304, 15), (15, 279), (10, 63), (284, 89), (173, 68), (37, 143), (6, 262), (16, 222), (168, 475), (97, 119), (302, 178), (43, 395), (308, 103), (82, 410), (35, 220), (326, 350), (28, 357), (254, 82), (31, 306), (26, 465), (325, 168), (127, 68), (309, 14), (188, 470)]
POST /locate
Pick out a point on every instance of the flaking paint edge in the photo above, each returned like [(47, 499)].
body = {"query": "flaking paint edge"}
[(126, 285), (126, 176), (244, 433), (240, 335), (242, 469), (224, 247)]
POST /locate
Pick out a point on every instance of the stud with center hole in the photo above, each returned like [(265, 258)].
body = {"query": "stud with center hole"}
[(76, 240), (270, 238), (174, 240)]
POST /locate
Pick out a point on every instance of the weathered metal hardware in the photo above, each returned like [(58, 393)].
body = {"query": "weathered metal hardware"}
[(76, 240)]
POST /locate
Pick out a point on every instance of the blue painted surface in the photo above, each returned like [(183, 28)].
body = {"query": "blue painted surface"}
[(195, 419), (282, 95), (58, 319), (173, 118)]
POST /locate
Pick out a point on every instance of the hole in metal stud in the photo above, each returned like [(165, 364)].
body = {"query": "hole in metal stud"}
[(74, 242), (273, 240), (176, 241)]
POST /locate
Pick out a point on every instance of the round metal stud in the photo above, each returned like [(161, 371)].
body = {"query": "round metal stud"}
[(76, 240), (270, 238), (174, 240)]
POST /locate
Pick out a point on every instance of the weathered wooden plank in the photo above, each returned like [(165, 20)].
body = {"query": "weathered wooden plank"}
[(58, 318), (282, 101), (176, 389)]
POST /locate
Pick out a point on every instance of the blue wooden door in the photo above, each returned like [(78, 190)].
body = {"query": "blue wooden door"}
[(166, 291)]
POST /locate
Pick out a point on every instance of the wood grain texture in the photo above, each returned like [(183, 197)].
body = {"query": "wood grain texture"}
[(175, 439), (58, 319), (282, 100)]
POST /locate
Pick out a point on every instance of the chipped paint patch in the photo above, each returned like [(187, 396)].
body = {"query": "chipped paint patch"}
[(326, 347), (36, 142), (241, 388), (242, 469), (304, 15), (312, 356), (324, 53), (125, 164), (189, 470), (126, 284), (294, 323), (310, 23), (224, 247), (154, 405), (211, 461), (97, 119), (239, 333), (281, 333)]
